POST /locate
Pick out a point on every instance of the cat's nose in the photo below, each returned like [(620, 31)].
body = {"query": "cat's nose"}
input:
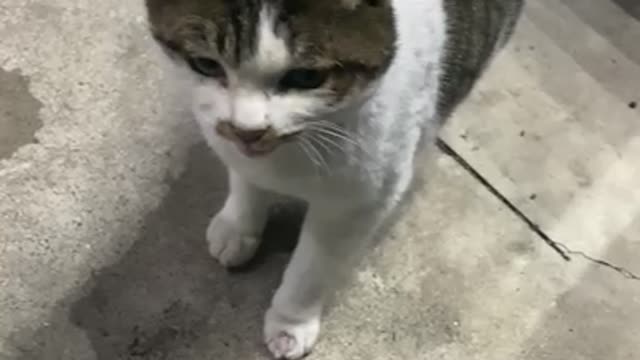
[(252, 142), (248, 136), (243, 135)]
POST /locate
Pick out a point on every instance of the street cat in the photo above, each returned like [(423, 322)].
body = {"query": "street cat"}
[(327, 101)]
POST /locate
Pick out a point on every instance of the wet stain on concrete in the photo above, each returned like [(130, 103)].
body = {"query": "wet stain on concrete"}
[(18, 113)]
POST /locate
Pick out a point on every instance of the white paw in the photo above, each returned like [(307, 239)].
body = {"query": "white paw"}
[(290, 340), (229, 242)]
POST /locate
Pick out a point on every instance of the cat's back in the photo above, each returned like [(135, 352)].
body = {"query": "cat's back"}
[(457, 37), (475, 31), (442, 48)]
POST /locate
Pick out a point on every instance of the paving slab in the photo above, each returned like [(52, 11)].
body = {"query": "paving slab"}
[(553, 128)]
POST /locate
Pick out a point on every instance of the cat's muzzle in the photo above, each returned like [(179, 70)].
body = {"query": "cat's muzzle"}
[(252, 142)]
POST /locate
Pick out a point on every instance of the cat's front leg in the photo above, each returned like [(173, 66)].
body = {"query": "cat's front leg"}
[(234, 233), (331, 244)]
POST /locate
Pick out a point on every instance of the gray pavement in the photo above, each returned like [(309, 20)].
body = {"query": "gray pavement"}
[(106, 189)]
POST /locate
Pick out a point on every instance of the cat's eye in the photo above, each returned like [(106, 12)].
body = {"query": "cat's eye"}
[(303, 79), (206, 67)]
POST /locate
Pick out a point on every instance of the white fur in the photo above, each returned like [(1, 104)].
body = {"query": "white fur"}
[(350, 192)]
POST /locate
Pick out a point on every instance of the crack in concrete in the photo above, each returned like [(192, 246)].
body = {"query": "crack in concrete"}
[(563, 250), (625, 272)]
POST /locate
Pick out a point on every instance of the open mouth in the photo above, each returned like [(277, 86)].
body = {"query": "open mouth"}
[(254, 143)]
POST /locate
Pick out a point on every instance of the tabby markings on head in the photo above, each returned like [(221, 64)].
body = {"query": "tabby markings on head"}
[(350, 41)]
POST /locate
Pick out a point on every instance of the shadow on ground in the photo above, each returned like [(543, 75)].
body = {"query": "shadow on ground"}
[(167, 297)]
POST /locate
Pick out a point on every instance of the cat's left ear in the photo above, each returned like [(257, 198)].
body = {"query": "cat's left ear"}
[(354, 4)]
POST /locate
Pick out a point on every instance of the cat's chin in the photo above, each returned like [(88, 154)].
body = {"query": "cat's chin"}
[(256, 150), (252, 153)]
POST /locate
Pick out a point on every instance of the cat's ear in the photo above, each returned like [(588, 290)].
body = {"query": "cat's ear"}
[(170, 48), (293, 7), (354, 4)]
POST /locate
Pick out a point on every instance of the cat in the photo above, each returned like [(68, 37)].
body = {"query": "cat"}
[(327, 101)]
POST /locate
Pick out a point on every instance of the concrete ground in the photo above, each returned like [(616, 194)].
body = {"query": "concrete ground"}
[(105, 191)]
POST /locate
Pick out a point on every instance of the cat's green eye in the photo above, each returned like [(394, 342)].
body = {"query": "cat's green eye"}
[(303, 79), (207, 67)]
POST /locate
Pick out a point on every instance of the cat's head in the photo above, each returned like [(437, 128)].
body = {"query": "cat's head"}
[(266, 69)]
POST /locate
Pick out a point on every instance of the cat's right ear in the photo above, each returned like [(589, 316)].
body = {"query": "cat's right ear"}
[(353, 4), (169, 47), (154, 5)]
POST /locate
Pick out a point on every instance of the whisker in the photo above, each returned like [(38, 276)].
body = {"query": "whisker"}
[(334, 145), (314, 155), (327, 125), (323, 141), (337, 133), (303, 146), (321, 158)]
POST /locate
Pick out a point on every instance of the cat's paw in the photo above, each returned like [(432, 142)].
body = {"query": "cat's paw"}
[(290, 340), (229, 242)]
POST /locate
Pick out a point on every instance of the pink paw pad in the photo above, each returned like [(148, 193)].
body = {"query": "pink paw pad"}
[(285, 346)]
